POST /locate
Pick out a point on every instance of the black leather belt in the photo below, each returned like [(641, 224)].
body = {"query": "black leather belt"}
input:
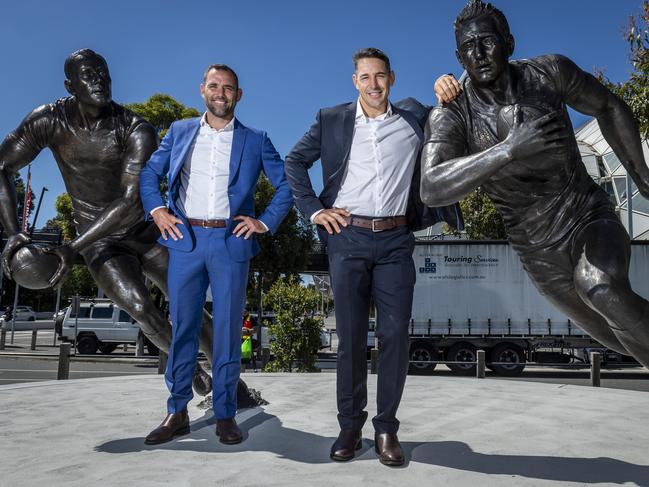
[(377, 224), (207, 223)]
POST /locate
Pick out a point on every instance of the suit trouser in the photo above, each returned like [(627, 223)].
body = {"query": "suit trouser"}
[(364, 264), (189, 275)]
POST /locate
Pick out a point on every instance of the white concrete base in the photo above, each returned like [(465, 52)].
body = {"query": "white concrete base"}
[(455, 431)]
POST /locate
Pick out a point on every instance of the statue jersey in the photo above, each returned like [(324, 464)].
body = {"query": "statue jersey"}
[(544, 198), (92, 160)]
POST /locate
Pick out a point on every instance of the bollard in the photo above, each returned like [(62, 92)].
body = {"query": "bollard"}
[(3, 337), (139, 345), (162, 361), (480, 369), (265, 357), (374, 361), (34, 335), (64, 362), (595, 366)]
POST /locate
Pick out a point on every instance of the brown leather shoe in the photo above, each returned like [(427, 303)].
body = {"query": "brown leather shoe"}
[(388, 449), (228, 431), (175, 424), (345, 446)]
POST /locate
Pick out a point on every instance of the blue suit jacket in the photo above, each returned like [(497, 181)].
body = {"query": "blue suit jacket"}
[(252, 152)]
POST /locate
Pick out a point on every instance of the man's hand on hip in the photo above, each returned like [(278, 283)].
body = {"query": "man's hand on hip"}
[(167, 222), (247, 226), (332, 219)]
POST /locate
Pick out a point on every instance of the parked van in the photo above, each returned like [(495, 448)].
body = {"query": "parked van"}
[(101, 325)]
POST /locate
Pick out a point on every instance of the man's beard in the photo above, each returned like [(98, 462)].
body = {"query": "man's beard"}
[(220, 111)]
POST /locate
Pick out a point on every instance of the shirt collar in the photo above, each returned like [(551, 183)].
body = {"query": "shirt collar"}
[(361, 115), (228, 128)]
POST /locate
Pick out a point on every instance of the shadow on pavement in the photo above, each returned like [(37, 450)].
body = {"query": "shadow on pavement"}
[(300, 446)]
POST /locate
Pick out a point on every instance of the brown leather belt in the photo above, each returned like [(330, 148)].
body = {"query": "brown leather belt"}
[(207, 223), (377, 224)]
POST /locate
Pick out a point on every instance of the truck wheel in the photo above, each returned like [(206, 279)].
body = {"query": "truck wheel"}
[(462, 352), (510, 353), (108, 348), (87, 345), (422, 351)]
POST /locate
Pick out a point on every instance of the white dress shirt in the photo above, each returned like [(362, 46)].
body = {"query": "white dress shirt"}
[(381, 162), (203, 192)]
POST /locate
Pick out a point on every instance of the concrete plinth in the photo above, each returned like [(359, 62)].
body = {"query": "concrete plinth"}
[(455, 432)]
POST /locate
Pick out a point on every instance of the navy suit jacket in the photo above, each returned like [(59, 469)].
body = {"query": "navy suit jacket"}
[(330, 140), (252, 152)]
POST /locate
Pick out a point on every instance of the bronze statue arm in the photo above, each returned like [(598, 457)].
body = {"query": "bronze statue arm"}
[(17, 150), (448, 175), (615, 118)]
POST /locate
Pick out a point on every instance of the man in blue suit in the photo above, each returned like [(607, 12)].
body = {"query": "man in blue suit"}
[(212, 165)]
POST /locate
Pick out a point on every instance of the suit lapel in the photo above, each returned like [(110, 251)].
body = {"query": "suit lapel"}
[(238, 141), (345, 136), (185, 143), (412, 121)]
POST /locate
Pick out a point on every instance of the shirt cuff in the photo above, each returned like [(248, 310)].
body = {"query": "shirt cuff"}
[(156, 208), (316, 214), (265, 226)]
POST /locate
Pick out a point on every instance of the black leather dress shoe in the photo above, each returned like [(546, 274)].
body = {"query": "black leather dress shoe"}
[(175, 424), (228, 431), (388, 449), (346, 445)]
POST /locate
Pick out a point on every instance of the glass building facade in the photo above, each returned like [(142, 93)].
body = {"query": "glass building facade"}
[(605, 168)]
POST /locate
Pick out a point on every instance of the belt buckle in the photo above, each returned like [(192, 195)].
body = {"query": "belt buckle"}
[(374, 220), (203, 224)]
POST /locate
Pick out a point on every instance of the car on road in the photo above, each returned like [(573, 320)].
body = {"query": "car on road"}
[(100, 325), (21, 313)]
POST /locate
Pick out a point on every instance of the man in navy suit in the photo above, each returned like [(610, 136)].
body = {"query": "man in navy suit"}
[(212, 164), (366, 213)]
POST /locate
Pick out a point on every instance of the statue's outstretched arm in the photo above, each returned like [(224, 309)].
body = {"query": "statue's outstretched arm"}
[(587, 95)]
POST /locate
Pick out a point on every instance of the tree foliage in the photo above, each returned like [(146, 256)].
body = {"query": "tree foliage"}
[(286, 252), (481, 218), (635, 91), (296, 331), (161, 111), (64, 219)]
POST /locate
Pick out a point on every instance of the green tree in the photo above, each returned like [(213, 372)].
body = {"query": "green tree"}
[(64, 219), (635, 91), (296, 332), (285, 253), (161, 111), (482, 220)]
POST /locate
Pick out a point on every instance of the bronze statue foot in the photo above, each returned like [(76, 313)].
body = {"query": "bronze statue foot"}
[(202, 382)]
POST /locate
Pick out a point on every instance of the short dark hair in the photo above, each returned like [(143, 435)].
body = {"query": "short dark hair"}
[(476, 9), (77, 56), (371, 52), (221, 67)]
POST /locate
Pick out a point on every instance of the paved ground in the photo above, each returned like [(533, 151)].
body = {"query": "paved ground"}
[(456, 432)]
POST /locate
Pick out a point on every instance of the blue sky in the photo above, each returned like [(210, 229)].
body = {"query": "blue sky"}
[(292, 57)]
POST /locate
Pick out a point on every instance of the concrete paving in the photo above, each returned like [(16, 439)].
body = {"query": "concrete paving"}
[(455, 431)]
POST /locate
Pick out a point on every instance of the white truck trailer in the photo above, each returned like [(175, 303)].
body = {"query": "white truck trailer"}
[(474, 295)]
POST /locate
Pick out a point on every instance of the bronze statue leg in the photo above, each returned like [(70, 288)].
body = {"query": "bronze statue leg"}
[(602, 281), (119, 275), (572, 305), (155, 263)]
